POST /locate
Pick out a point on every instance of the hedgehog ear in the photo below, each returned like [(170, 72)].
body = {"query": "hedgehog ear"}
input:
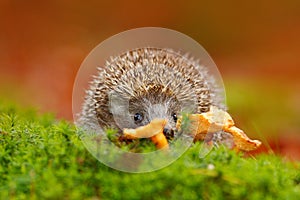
[(119, 107), (117, 102)]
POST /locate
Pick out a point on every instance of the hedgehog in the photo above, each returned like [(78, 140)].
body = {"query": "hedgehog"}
[(142, 84)]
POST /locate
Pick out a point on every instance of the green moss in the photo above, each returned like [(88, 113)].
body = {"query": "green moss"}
[(42, 158)]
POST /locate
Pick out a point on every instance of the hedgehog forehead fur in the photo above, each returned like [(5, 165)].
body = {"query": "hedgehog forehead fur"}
[(155, 82)]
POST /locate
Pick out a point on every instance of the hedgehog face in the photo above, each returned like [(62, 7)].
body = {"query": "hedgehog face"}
[(157, 111), (146, 109), (139, 110), (143, 111)]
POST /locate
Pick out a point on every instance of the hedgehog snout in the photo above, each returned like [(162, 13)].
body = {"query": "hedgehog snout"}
[(168, 132)]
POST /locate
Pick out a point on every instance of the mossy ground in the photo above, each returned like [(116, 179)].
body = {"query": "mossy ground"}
[(42, 158)]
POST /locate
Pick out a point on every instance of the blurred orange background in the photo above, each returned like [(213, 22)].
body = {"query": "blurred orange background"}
[(255, 44)]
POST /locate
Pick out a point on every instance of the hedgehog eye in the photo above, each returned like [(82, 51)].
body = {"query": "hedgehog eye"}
[(174, 116), (138, 117)]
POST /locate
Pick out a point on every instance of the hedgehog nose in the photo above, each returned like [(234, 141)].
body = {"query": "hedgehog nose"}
[(169, 133), (166, 130)]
